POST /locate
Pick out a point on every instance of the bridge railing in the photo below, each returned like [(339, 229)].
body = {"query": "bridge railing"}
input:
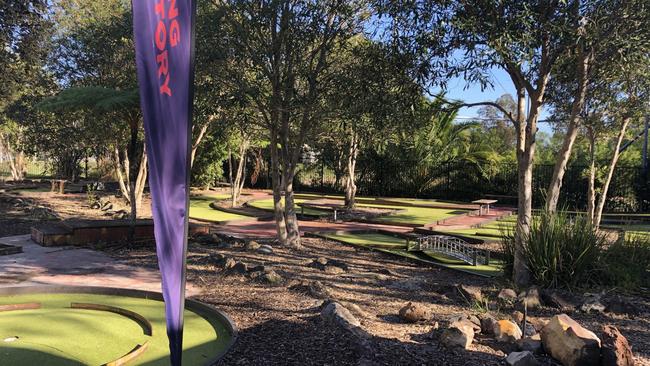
[(453, 247)]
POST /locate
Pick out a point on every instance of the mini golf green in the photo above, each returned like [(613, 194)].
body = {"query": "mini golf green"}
[(200, 209), (397, 246), (267, 205), (63, 327)]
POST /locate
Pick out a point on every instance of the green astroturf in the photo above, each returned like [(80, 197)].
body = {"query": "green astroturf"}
[(56, 335), (200, 209), (267, 205), (395, 245), (414, 215)]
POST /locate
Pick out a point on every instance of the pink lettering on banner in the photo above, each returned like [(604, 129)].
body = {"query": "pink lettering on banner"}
[(167, 35)]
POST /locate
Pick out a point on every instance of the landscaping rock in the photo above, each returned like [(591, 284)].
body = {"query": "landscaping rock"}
[(334, 270), (621, 305), (259, 268), (339, 315), (252, 245), (555, 299), (524, 358), (228, 263), (355, 309), (616, 351), (239, 268), (532, 344), (506, 331), (531, 298), (476, 322), (217, 258), (315, 289), (568, 342), (507, 296), (471, 293), (487, 324), (271, 277), (458, 334), (413, 313), (121, 215), (529, 330), (592, 303), (265, 249), (321, 260), (517, 317)]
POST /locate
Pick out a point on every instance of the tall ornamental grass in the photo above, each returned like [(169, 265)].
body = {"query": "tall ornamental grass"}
[(561, 251)]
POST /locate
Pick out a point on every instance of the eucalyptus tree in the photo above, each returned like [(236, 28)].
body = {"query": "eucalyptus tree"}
[(608, 36), (286, 50), (470, 38), (372, 100), (24, 37)]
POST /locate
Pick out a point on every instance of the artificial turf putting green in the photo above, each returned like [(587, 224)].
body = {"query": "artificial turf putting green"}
[(397, 246), (200, 209), (267, 205), (57, 335), (414, 215), (408, 214)]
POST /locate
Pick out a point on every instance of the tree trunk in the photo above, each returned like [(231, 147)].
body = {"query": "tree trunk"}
[(293, 230), (591, 188), (553, 192), (277, 183), (612, 166), (17, 164), (197, 142), (119, 168), (521, 275), (141, 180), (237, 184), (350, 183)]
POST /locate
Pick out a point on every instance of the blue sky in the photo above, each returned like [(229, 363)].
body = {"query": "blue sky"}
[(459, 89)]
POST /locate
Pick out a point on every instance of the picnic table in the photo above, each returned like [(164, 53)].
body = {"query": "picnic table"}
[(484, 204)]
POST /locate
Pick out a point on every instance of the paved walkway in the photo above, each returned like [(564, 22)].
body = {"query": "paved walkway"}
[(72, 266)]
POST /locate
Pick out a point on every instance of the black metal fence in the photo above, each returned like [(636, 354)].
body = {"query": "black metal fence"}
[(629, 190)]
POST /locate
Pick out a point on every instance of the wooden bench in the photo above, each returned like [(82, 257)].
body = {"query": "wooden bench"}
[(484, 204)]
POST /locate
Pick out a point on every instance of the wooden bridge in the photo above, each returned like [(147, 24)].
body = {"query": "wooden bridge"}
[(453, 247)]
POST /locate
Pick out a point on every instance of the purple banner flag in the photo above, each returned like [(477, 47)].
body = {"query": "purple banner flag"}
[(164, 38)]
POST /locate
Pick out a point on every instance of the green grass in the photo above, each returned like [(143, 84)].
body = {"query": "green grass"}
[(414, 215), (56, 335), (267, 205), (410, 215), (397, 246), (200, 209)]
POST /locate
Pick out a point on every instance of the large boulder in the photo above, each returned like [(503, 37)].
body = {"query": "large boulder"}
[(459, 334), (570, 343), (524, 358), (506, 331), (471, 293), (413, 313), (616, 351)]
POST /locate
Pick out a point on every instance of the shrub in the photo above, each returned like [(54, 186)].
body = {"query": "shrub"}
[(561, 251), (627, 263)]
